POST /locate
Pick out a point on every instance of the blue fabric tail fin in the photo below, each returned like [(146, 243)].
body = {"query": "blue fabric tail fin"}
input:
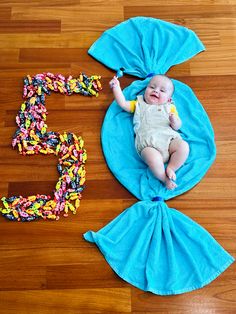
[(186, 256)]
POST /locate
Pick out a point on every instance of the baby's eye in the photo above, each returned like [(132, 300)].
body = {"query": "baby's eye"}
[(163, 91)]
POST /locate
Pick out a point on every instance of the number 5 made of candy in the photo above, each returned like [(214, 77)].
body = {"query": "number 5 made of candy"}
[(32, 137)]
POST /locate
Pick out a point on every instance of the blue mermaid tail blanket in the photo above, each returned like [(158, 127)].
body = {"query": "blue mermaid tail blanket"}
[(152, 246)]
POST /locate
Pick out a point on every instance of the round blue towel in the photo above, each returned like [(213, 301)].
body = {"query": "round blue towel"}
[(152, 246)]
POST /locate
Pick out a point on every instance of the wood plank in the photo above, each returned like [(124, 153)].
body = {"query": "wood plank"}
[(30, 26), (17, 70), (74, 17), (3, 188), (60, 301), (163, 12), (179, 3), (56, 40), (5, 13), (59, 55), (37, 3), (49, 256), (19, 278), (9, 55), (221, 188), (83, 276)]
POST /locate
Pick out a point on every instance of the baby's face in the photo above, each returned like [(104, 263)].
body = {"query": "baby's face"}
[(158, 91)]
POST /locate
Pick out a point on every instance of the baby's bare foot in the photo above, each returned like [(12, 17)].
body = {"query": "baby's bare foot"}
[(170, 173), (170, 185)]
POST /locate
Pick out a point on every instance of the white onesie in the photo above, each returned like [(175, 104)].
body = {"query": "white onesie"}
[(152, 126)]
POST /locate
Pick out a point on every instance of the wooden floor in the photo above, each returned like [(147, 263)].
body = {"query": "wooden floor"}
[(46, 267)]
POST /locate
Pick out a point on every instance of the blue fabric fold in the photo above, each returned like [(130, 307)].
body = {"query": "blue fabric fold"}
[(143, 45), (151, 246), (157, 249)]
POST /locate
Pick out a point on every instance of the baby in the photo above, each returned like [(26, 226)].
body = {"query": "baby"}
[(156, 122)]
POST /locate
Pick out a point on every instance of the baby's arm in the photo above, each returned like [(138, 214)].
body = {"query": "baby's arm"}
[(175, 121), (118, 94)]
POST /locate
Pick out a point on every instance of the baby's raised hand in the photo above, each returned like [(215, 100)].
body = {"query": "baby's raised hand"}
[(114, 82)]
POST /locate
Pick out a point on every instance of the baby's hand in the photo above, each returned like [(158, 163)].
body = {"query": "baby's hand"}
[(172, 118), (175, 121), (114, 82)]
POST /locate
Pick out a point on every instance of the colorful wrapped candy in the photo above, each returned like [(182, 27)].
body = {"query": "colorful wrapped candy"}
[(32, 137)]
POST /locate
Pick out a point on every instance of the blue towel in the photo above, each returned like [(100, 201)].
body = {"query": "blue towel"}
[(152, 246)]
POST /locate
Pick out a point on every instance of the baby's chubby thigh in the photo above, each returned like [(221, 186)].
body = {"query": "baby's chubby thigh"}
[(151, 156), (178, 145)]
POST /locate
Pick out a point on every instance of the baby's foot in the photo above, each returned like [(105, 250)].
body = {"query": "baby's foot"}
[(170, 185), (170, 173)]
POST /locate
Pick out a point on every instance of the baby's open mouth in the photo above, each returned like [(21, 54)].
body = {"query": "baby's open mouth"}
[(154, 96)]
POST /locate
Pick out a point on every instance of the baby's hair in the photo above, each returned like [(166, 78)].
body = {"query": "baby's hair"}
[(172, 84)]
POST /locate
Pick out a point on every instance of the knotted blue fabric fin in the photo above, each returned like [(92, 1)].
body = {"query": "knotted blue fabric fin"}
[(150, 245), (145, 45), (159, 249)]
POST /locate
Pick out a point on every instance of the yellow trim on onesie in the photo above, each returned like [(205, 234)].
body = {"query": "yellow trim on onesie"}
[(133, 105), (173, 110)]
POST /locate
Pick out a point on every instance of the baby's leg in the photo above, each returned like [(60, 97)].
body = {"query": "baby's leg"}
[(179, 151), (154, 160)]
